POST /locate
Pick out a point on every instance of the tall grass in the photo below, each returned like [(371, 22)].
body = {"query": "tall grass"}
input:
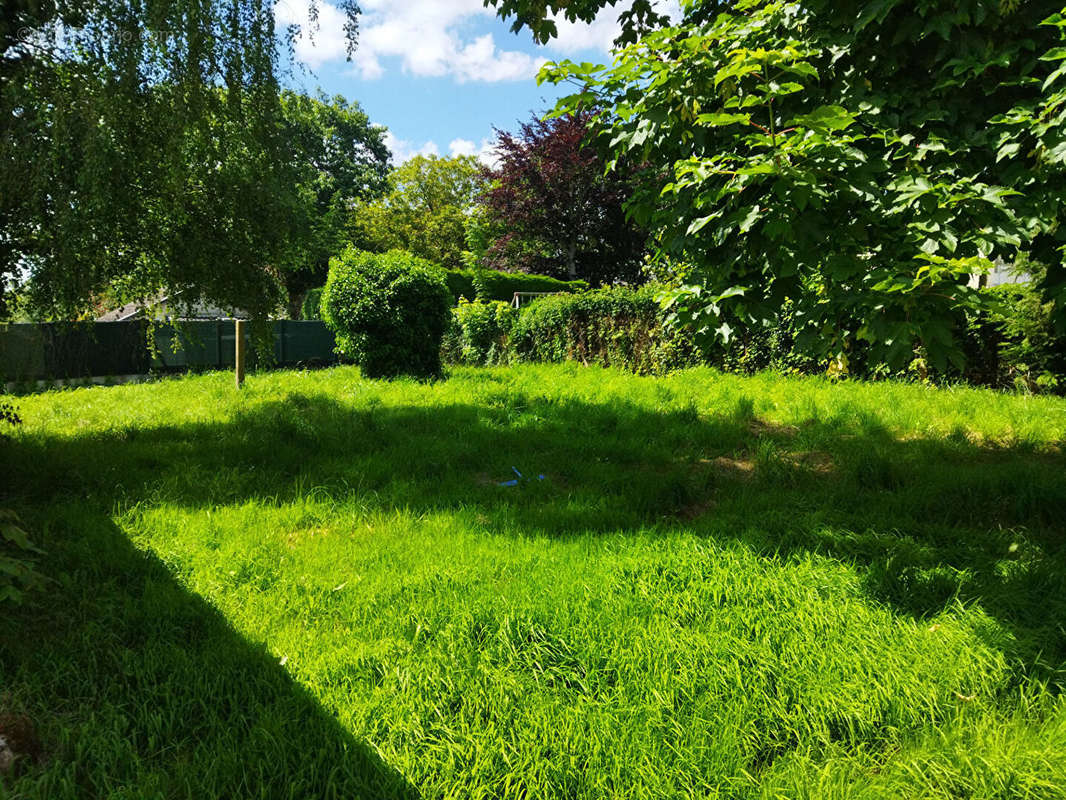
[(723, 587)]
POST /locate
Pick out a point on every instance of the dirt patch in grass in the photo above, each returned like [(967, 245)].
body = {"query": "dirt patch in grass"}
[(817, 461), (19, 742)]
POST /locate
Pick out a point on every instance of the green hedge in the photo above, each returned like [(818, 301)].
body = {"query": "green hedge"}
[(480, 333), (1012, 344), (492, 285), (612, 327), (470, 284), (312, 304)]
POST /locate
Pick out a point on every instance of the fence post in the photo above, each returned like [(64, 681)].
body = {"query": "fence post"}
[(238, 351)]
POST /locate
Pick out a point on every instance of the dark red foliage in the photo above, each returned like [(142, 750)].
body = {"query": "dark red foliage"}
[(555, 211)]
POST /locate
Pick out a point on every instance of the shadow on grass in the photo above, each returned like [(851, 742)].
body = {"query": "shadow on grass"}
[(928, 522), (138, 688)]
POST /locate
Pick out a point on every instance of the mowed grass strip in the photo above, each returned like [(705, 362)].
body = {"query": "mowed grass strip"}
[(723, 587)]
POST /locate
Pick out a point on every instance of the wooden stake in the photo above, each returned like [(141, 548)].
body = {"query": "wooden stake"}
[(238, 350)]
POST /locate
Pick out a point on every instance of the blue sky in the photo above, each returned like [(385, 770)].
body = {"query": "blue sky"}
[(438, 73)]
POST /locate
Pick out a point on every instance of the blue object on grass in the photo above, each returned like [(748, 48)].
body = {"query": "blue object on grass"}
[(516, 481)]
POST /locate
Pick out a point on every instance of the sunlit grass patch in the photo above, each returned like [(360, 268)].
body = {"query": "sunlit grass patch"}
[(723, 586)]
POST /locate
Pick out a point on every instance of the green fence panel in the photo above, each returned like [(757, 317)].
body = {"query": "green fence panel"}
[(307, 342), (30, 352), (21, 353), (72, 350)]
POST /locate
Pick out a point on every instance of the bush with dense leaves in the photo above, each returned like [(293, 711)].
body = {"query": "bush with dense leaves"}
[(479, 334), (612, 327), (1011, 343), (472, 284), (388, 311), (1014, 344), (311, 308), (494, 285)]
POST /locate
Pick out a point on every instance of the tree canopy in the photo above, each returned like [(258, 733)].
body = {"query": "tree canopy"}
[(424, 212), (554, 208), (143, 149), (341, 160), (539, 16), (860, 159)]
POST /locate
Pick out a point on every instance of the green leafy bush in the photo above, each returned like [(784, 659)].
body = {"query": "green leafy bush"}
[(493, 285), (388, 311), (771, 346), (461, 284), (613, 327), (18, 573), (479, 334), (1014, 343), (473, 284), (312, 304), (1010, 344)]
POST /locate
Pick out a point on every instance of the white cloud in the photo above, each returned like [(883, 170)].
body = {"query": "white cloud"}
[(431, 38), (462, 147), (404, 150), (425, 36), (599, 35), (485, 152), (575, 37), (316, 44)]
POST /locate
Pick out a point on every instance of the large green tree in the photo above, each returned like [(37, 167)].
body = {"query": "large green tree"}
[(425, 211), (142, 148), (341, 160), (860, 159)]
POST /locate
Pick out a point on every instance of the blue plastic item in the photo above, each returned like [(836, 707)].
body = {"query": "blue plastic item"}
[(519, 479)]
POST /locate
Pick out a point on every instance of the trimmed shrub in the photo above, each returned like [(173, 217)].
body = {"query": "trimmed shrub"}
[(472, 284), (388, 311), (612, 327), (481, 284), (461, 284), (492, 285), (479, 334)]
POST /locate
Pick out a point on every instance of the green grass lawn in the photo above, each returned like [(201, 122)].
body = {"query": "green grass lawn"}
[(723, 587)]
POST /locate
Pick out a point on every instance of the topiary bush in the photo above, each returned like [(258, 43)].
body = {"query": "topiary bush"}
[(480, 333), (612, 327), (388, 311)]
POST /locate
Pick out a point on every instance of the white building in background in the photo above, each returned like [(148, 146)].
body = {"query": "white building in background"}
[(1001, 273), (165, 308)]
